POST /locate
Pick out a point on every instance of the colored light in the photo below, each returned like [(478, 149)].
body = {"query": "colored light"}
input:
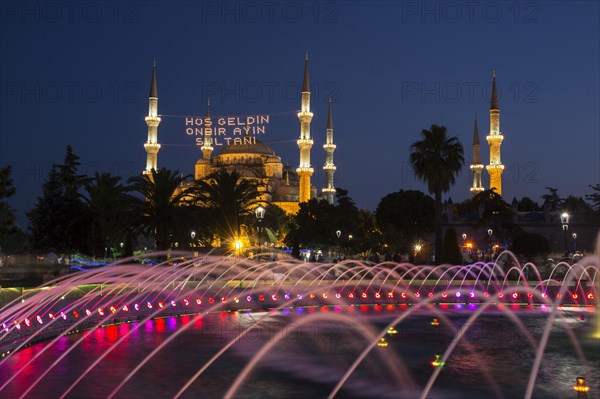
[(377, 295), (51, 316), (100, 311), (312, 295), (391, 294), (63, 315), (444, 295), (161, 305), (113, 309), (435, 322), (351, 295), (437, 362), (581, 387), (485, 294), (4, 327), (458, 294), (338, 295), (575, 296), (198, 301), (403, 295), (392, 331), (472, 294), (248, 298), (382, 342), (274, 297), (529, 295), (261, 298), (500, 295), (299, 296), (136, 306), (324, 295), (430, 294), (364, 295), (515, 295), (39, 319), (211, 300), (17, 326), (544, 295), (417, 294), (559, 296), (75, 314), (236, 299), (173, 303), (590, 296), (224, 299), (87, 312), (149, 305), (125, 308), (186, 302), (286, 297)]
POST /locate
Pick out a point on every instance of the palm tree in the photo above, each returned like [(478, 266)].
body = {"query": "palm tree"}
[(230, 201), (106, 208), (437, 160), (166, 210)]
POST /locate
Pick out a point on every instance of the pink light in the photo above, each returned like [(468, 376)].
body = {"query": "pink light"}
[(198, 301), (430, 294), (136, 306), (559, 296), (529, 295), (590, 296), (472, 294), (161, 305), (515, 295), (248, 298), (100, 311), (39, 319), (286, 297), (173, 303), (186, 302), (87, 312), (544, 295), (63, 315), (500, 295), (485, 294), (125, 308), (299, 296), (27, 322), (444, 295), (4, 327), (274, 297), (149, 305), (458, 294), (417, 294), (338, 295)]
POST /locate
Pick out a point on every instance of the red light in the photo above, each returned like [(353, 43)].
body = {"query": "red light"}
[(149, 305), (430, 294), (236, 299), (211, 300), (274, 297), (444, 295), (51, 316), (125, 308), (417, 294), (529, 295), (112, 309), (500, 295), (364, 295), (186, 302), (559, 296), (403, 295), (472, 295), (391, 294), (27, 322), (338, 295), (75, 314), (312, 295), (377, 295), (485, 294), (161, 305), (261, 298), (39, 319), (575, 296), (351, 295), (590, 296), (198, 301), (515, 295), (224, 299)]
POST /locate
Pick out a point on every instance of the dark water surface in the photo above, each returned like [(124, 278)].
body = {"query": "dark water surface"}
[(311, 358)]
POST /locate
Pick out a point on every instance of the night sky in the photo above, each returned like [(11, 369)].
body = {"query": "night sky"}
[(79, 74)]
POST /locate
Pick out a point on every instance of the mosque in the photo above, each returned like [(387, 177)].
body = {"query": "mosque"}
[(278, 183), (494, 139)]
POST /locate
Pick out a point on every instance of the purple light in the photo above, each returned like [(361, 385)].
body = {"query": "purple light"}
[(458, 294)]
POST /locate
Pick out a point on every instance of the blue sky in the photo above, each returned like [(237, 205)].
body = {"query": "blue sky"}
[(78, 73)]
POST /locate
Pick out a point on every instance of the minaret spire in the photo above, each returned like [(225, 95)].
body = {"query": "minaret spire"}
[(152, 121), (305, 142), (207, 147), (329, 167), (476, 165), (494, 139)]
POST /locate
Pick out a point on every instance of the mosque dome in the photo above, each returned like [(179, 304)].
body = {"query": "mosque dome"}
[(258, 147)]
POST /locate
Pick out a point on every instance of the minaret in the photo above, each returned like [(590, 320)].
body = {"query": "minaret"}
[(329, 167), (476, 166), (207, 147), (305, 142), (495, 168), (152, 120)]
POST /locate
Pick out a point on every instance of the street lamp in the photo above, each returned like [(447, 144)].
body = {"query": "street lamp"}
[(564, 219), (490, 232), (260, 215), (193, 237), (574, 242)]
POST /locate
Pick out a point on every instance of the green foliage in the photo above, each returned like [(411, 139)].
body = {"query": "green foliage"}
[(552, 199), (497, 215), (526, 204), (7, 190), (594, 197), (451, 253), (530, 244), (404, 218), (437, 160)]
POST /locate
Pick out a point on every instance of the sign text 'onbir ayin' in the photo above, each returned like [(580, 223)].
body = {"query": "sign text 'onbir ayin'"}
[(227, 130)]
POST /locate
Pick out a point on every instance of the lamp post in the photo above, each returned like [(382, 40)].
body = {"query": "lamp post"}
[(260, 215), (490, 232), (574, 242), (338, 233), (564, 219)]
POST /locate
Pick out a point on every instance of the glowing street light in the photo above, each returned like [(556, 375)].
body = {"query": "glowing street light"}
[(574, 242), (260, 215), (564, 219), (490, 233)]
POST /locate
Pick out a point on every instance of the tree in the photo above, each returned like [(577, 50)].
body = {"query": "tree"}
[(497, 215), (552, 199), (437, 160), (107, 210), (313, 226), (7, 215), (451, 253), (526, 204), (231, 201), (530, 244), (165, 211), (594, 197), (405, 217)]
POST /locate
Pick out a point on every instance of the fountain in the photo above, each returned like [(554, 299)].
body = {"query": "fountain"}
[(316, 329)]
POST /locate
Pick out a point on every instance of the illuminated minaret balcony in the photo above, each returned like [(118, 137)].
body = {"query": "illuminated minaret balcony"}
[(329, 167), (305, 142), (494, 139), (152, 121)]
